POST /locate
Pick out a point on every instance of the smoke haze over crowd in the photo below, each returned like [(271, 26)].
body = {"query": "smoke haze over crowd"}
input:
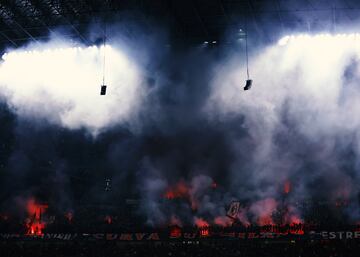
[(177, 131)]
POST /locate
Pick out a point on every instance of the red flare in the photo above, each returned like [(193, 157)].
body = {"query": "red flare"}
[(294, 220), (36, 209), (175, 232), (204, 232), (296, 231), (180, 190), (265, 220), (264, 210), (203, 227), (36, 228), (200, 223), (291, 216), (287, 187), (35, 224)]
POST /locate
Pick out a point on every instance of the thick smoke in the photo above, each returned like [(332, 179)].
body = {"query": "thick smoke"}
[(61, 85), (203, 142), (301, 118)]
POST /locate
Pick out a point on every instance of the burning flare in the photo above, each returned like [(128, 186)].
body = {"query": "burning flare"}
[(34, 223)]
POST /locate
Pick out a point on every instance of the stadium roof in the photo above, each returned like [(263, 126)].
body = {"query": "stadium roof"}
[(22, 21)]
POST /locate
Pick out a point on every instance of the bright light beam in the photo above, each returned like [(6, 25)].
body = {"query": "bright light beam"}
[(61, 85), (295, 38)]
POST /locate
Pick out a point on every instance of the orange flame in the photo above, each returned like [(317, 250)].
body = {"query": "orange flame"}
[(35, 225), (203, 226)]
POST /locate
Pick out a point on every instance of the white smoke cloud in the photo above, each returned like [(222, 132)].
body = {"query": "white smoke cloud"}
[(315, 81), (61, 84), (308, 71), (306, 74)]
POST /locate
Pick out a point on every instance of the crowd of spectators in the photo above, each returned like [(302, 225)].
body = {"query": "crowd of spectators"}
[(181, 249)]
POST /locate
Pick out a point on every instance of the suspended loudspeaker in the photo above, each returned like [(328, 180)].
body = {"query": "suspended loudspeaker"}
[(103, 90), (248, 84)]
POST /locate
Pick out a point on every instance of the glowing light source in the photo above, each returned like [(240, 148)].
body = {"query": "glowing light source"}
[(204, 231), (180, 190), (175, 232), (301, 37), (58, 50), (66, 80), (200, 223), (35, 225), (283, 41)]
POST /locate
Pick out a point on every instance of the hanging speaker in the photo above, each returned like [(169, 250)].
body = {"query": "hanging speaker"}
[(248, 84), (103, 90)]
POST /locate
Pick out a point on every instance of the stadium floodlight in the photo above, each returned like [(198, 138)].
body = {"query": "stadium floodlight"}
[(283, 41), (349, 37)]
